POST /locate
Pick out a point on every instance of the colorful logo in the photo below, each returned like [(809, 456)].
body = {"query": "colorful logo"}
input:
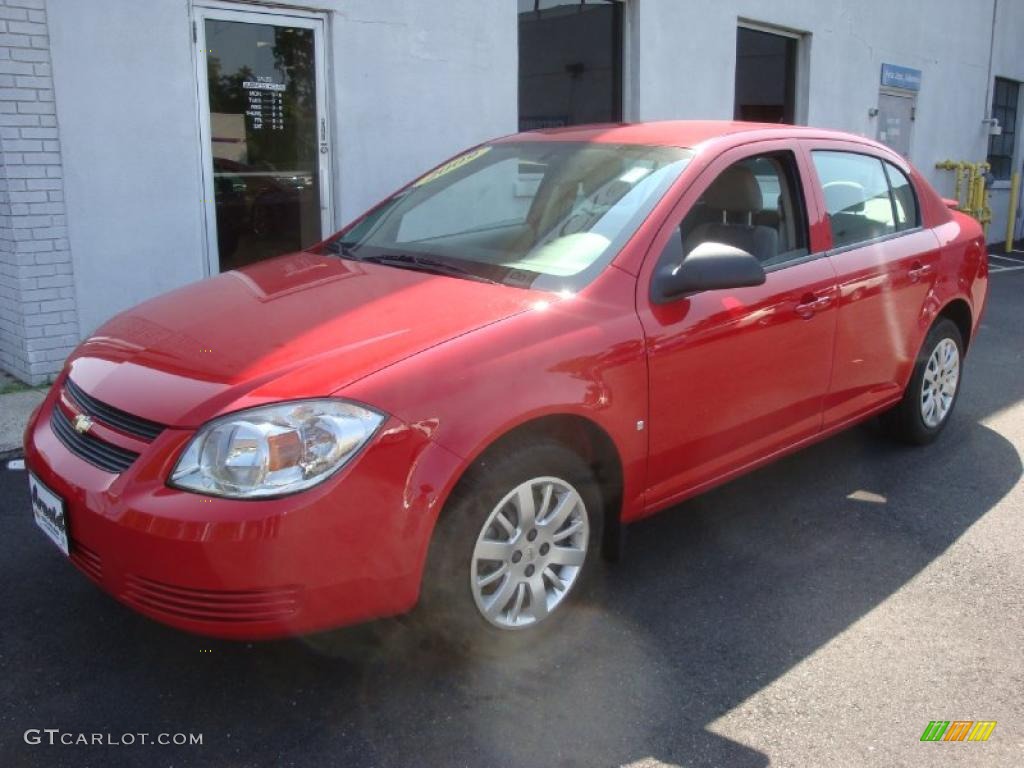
[(958, 730)]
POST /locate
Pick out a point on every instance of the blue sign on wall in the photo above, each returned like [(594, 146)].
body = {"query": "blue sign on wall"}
[(895, 76)]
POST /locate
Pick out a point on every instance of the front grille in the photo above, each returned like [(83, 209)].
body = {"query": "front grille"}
[(249, 605), (97, 452), (111, 416), (87, 560)]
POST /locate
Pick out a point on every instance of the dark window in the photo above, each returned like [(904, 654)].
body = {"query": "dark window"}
[(570, 62), (765, 76), (1004, 109), (904, 200), (754, 205), (261, 85), (857, 197)]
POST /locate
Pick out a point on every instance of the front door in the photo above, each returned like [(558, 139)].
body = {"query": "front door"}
[(265, 134), (737, 375)]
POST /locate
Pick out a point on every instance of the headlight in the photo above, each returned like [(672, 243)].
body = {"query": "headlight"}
[(274, 450)]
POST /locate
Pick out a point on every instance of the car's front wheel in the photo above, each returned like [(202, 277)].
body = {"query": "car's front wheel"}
[(933, 388), (518, 539)]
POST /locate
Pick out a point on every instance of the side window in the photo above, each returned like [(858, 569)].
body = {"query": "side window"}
[(755, 205), (856, 196), (903, 198)]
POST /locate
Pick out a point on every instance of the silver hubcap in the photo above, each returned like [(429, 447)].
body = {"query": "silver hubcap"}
[(941, 376), (529, 553)]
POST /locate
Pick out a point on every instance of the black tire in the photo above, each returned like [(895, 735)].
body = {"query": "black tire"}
[(447, 606), (905, 422)]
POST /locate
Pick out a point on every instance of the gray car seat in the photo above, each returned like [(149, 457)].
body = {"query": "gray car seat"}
[(736, 197)]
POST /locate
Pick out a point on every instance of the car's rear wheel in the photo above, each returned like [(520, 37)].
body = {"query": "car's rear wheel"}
[(517, 542), (933, 389)]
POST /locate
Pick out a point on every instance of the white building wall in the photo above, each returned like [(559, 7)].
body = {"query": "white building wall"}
[(127, 111), (414, 83), (684, 64)]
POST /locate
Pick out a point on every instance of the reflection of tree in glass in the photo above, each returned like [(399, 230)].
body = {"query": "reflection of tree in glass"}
[(294, 146), (226, 92), (269, 202), (293, 56)]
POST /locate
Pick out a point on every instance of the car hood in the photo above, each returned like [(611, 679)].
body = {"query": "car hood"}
[(302, 325)]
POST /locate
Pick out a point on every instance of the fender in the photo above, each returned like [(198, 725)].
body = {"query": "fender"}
[(466, 396)]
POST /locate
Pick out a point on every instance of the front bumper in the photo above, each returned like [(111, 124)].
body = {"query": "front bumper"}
[(348, 550)]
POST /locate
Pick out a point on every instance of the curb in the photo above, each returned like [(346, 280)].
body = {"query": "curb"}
[(11, 453)]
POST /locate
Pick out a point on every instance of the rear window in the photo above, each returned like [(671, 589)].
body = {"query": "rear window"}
[(857, 198)]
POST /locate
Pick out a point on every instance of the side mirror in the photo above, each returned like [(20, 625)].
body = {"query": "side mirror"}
[(707, 267)]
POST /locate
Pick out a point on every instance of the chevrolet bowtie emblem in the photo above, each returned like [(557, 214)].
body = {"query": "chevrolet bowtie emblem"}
[(82, 423)]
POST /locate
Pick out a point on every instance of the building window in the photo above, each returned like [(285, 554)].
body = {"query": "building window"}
[(1004, 109), (570, 62), (765, 76)]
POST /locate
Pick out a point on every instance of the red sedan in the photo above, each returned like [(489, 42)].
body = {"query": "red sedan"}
[(463, 396)]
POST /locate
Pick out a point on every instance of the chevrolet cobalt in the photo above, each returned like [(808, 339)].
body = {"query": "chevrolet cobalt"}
[(462, 397)]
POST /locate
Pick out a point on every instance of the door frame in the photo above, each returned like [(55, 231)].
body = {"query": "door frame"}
[(801, 62), (898, 93), (251, 14)]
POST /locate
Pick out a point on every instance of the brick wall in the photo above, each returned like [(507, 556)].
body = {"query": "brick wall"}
[(38, 321)]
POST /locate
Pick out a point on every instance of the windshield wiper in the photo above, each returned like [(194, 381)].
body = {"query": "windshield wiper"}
[(423, 264), (342, 248)]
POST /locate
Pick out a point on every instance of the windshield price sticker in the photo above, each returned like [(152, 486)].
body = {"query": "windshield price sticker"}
[(452, 165)]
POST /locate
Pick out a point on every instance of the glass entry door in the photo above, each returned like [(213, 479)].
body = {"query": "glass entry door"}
[(264, 124)]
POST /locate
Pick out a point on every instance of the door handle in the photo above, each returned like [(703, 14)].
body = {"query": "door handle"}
[(919, 270), (810, 304)]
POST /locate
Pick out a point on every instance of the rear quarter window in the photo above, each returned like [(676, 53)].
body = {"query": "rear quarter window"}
[(904, 198)]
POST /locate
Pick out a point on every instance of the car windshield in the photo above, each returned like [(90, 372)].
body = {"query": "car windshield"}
[(548, 215)]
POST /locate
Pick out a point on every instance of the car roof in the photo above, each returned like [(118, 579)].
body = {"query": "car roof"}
[(683, 133)]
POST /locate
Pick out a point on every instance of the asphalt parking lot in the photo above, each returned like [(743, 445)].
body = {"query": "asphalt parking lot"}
[(819, 612)]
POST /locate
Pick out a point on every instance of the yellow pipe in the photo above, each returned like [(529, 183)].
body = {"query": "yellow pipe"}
[(972, 191), (984, 212), (963, 188), (983, 197), (1011, 213), (979, 194), (971, 195)]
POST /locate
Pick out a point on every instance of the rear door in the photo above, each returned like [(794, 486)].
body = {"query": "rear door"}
[(886, 265), (737, 375)]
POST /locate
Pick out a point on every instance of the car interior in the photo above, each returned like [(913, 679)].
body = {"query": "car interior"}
[(750, 206), (853, 217)]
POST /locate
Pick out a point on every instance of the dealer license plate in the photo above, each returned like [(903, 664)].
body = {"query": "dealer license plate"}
[(48, 510)]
